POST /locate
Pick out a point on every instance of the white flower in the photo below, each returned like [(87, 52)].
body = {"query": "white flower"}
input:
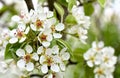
[(54, 59), (45, 37), (81, 19), (19, 34), (26, 56), (108, 57), (48, 60), (103, 72), (97, 47), (54, 75), (91, 58), (82, 33)]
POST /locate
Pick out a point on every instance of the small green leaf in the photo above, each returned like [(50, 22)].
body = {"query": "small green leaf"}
[(59, 9), (88, 9), (102, 2), (70, 19), (8, 54), (71, 4), (64, 43)]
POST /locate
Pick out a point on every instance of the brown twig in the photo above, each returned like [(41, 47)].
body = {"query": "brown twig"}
[(29, 4)]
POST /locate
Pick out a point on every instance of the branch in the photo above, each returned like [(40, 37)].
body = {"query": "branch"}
[(29, 4)]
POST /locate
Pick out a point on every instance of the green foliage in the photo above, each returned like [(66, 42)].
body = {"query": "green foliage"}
[(65, 44), (70, 20), (59, 9), (102, 2), (71, 4), (88, 9)]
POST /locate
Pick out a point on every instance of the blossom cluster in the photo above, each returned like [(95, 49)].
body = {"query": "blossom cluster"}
[(83, 23), (35, 31), (102, 58)]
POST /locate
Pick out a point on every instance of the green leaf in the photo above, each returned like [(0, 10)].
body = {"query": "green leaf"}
[(102, 2), (71, 4), (8, 54), (70, 19), (88, 9), (59, 9), (64, 43)]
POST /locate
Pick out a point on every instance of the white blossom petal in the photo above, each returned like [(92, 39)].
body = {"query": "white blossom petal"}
[(59, 27), (22, 39), (55, 68), (21, 63), (42, 59), (20, 52), (57, 35), (46, 44), (35, 56), (40, 50), (33, 27), (13, 40), (28, 48), (62, 66), (15, 18), (27, 30), (66, 56), (29, 66), (44, 68)]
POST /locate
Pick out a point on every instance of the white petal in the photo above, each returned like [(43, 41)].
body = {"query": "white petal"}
[(62, 66), (21, 26), (42, 16), (49, 37), (22, 39), (55, 49), (46, 44), (59, 27), (33, 27), (90, 63), (28, 48), (44, 68), (48, 52), (50, 76), (13, 40), (57, 35), (27, 30), (29, 66), (66, 56), (15, 18), (21, 63), (55, 68), (49, 14), (20, 52), (40, 50), (42, 59), (35, 56)]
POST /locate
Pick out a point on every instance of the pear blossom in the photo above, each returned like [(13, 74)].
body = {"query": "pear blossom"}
[(102, 58), (53, 58), (103, 72), (19, 34), (92, 58), (54, 75), (26, 55), (108, 57)]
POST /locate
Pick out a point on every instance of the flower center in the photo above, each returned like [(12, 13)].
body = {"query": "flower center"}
[(20, 34), (106, 59), (27, 58), (49, 61), (38, 23), (43, 37), (100, 71)]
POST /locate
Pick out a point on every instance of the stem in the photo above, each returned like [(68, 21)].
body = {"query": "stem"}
[(29, 4)]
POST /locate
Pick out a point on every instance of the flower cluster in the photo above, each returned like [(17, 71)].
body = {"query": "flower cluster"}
[(83, 23), (102, 58), (46, 59), (34, 33), (43, 24)]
